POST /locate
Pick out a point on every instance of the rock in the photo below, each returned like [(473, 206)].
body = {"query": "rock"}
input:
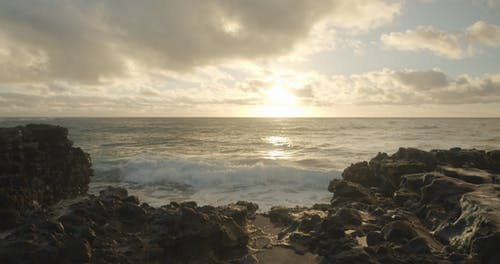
[(360, 173), (352, 256), (384, 171), (301, 242), (458, 157), (470, 175), (240, 212), (398, 231), (38, 167), (494, 160), (113, 192), (477, 229), (417, 245), (374, 238), (113, 228), (349, 191), (347, 217)]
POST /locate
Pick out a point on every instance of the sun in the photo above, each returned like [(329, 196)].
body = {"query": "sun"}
[(280, 102), (280, 96)]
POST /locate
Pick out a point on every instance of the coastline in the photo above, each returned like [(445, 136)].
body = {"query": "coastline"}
[(412, 206)]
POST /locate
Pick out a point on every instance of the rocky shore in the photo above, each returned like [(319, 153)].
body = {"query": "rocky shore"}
[(413, 206)]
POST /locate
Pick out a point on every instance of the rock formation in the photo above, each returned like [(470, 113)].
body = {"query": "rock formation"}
[(414, 206), (38, 167), (441, 206)]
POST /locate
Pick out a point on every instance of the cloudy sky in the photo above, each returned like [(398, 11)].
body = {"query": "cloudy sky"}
[(250, 58)]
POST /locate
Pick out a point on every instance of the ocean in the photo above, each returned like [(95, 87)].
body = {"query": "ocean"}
[(269, 161)]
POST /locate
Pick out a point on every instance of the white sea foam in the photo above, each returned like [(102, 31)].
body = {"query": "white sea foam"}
[(159, 180)]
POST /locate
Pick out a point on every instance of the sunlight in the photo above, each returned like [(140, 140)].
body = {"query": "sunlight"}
[(280, 96), (277, 140), (280, 101)]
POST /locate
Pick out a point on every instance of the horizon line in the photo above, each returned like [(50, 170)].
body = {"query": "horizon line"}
[(263, 117)]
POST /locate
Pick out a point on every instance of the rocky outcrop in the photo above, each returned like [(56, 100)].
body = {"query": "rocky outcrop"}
[(413, 206), (38, 167), (385, 172), (114, 228)]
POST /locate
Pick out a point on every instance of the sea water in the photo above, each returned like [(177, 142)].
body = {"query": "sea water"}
[(268, 161)]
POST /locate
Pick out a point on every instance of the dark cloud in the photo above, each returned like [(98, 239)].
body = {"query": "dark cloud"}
[(90, 40), (86, 40), (424, 80)]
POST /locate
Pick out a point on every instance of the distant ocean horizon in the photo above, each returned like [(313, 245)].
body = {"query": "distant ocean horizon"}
[(270, 161)]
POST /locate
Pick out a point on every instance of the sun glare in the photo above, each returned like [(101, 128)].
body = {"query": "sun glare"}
[(281, 103), (279, 99), (280, 96)]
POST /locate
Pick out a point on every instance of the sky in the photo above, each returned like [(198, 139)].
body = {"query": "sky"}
[(250, 58)]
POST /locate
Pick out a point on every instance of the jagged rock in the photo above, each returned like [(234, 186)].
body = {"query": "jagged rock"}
[(38, 167), (349, 191), (361, 173), (477, 229), (471, 158), (114, 228), (240, 212)]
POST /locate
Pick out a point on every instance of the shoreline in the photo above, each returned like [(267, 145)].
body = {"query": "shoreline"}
[(412, 206)]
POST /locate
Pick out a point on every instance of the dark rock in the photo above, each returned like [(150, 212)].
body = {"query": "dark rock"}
[(464, 158), (418, 245), (38, 167), (374, 238), (361, 173), (349, 191), (398, 231), (114, 192), (347, 217), (470, 175), (477, 229)]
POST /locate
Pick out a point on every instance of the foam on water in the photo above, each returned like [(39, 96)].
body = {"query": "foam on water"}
[(155, 178)]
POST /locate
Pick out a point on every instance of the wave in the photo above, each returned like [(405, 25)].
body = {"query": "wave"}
[(157, 170)]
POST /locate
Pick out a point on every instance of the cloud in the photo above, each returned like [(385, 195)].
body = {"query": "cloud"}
[(450, 45), (426, 38), (93, 41), (395, 88), (407, 87), (484, 33)]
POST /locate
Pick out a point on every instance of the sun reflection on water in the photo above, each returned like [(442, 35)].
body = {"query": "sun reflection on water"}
[(277, 140)]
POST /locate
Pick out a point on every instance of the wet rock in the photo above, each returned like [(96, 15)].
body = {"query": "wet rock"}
[(417, 245), (398, 231)]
